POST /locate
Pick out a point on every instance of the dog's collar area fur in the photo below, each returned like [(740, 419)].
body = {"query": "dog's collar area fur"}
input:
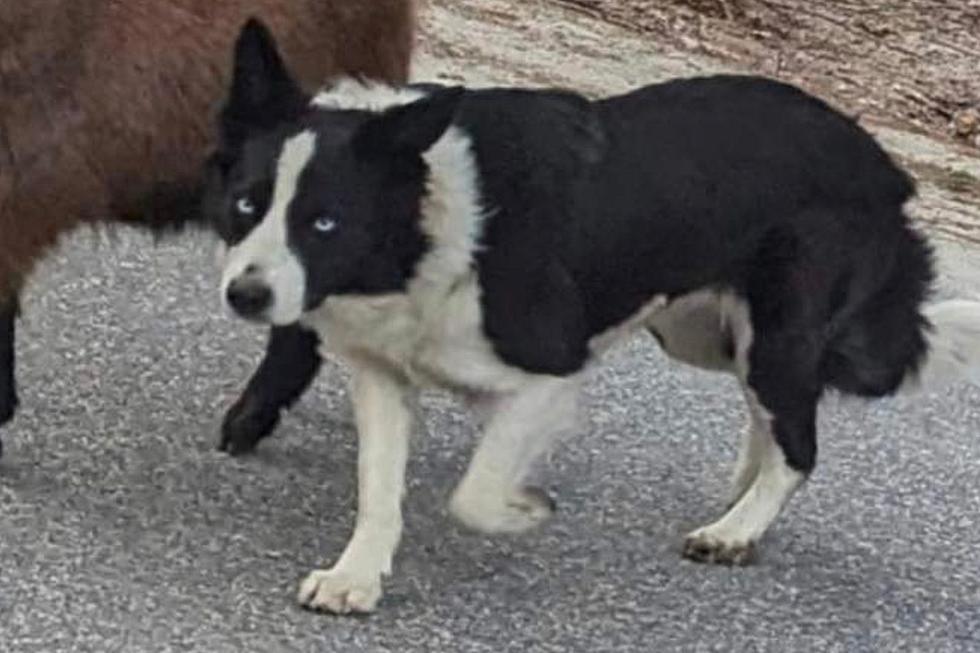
[(451, 213)]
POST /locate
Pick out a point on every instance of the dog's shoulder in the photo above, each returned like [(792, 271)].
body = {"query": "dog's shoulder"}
[(535, 135), (531, 147)]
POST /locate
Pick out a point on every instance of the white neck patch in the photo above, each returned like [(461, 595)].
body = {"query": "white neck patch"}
[(452, 216), (364, 95), (295, 156)]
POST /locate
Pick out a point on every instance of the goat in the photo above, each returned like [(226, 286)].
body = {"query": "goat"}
[(106, 111)]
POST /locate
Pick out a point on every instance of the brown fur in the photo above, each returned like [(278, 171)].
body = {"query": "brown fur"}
[(106, 108)]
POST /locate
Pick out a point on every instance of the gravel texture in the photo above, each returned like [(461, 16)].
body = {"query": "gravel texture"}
[(122, 530)]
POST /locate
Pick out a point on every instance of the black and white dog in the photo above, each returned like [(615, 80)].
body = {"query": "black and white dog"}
[(496, 242)]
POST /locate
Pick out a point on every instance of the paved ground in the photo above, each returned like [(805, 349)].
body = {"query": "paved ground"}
[(122, 530)]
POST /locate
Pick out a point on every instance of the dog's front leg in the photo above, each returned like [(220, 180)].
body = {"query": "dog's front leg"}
[(289, 365), (8, 388), (384, 421), (519, 427)]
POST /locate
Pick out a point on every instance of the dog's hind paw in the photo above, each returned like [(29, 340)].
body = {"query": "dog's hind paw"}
[(702, 546), (340, 591)]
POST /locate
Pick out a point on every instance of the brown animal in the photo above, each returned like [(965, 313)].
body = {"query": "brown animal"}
[(106, 114)]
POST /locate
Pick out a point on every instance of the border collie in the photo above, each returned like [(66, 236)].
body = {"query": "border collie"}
[(495, 242)]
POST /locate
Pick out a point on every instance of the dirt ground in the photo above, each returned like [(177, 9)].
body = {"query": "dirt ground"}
[(911, 62), (855, 55)]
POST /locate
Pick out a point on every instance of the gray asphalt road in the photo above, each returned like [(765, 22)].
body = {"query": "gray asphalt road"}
[(122, 530)]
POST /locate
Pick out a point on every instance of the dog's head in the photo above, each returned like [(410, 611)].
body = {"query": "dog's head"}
[(313, 201)]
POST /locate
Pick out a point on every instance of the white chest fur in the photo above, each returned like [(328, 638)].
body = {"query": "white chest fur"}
[(439, 345)]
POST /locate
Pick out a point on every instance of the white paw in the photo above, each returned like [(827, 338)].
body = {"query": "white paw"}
[(516, 512), (340, 591), (705, 545)]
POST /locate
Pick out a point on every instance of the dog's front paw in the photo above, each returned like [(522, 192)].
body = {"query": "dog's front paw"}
[(8, 406), (8, 403), (704, 546), (340, 591), (516, 512), (245, 423)]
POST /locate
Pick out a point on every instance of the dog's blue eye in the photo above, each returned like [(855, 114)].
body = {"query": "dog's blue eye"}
[(325, 224), (244, 206)]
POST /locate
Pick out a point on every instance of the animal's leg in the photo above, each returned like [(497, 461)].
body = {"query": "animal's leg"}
[(712, 330), (8, 385), (520, 427), (783, 402), (384, 422), (290, 364), (755, 441)]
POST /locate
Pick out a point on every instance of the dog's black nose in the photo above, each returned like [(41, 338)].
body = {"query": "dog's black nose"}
[(249, 297)]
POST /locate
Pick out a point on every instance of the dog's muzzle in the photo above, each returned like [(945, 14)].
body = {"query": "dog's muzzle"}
[(249, 296)]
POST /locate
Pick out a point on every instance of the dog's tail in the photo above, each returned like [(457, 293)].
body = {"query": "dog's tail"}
[(953, 353)]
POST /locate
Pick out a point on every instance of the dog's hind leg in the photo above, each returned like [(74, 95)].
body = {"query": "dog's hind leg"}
[(710, 329), (290, 364), (520, 427), (778, 455), (755, 441), (8, 387)]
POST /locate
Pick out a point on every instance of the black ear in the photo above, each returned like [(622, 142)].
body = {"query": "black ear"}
[(263, 93), (413, 127)]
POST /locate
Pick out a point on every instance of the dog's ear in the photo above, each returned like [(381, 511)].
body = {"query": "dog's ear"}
[(262, 93), (411, 128)]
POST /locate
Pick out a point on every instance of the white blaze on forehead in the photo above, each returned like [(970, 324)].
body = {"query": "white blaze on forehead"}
[(266, 248), (296, 154)]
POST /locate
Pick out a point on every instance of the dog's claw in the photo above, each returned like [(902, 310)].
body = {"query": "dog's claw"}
[(700, 548), (340, 592), (536, 496)]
